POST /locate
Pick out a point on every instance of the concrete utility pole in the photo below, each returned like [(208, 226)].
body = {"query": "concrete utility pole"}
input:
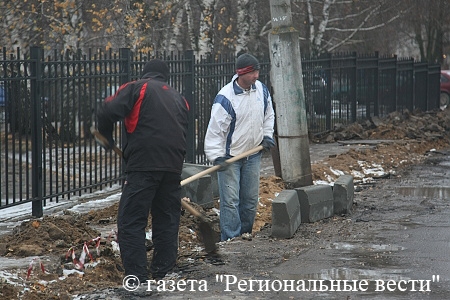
[(287, 82)]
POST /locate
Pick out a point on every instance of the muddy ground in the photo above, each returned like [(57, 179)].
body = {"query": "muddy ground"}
[(54, 244)]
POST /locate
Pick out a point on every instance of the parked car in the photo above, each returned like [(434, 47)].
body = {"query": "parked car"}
[(445, 88)]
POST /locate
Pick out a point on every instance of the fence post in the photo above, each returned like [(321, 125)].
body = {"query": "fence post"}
[(420, 86), (188, 93), (396, 83), (410, 100), (36, 132), (433, 90), (376, 104), (354, 83), (329, 88), (125, 65)]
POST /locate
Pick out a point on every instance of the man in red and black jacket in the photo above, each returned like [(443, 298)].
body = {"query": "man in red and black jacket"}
[(156, 120)]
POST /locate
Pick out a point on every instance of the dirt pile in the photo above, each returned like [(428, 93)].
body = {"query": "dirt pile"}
[(49, 234), (387, 145), (55, 246), (422, 126), (402, 139)]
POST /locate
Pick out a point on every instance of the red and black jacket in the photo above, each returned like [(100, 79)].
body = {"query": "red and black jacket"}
[(156, 120)]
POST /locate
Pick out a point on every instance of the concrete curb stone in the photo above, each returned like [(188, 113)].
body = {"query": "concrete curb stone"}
[(286, 216)]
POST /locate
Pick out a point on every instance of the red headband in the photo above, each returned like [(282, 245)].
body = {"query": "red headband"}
[(245, 70)]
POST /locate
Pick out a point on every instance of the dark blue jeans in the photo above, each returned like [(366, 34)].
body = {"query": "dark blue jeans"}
[(158, 193)]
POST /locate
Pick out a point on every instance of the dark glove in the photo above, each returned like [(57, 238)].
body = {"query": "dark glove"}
[(267, 143), (108, 144), (111, 143), (221, 161)]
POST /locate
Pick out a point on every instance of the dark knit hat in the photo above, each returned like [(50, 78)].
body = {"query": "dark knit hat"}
[(246, 63), (157, 66)]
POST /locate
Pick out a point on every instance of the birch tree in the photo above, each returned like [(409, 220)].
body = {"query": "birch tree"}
[(206, 34), (242, 39), (247, 21), (333, 24), (190, 21), (178, 28)]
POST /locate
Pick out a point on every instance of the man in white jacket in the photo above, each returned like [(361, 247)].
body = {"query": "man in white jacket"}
[(242, 117)]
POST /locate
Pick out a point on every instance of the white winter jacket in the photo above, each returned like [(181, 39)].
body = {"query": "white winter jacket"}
[(239, 120)]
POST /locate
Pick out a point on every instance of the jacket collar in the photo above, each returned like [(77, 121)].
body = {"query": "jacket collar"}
[(238, 90)]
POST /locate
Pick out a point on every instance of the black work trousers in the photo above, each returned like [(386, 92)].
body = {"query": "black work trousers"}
[(159, 193)]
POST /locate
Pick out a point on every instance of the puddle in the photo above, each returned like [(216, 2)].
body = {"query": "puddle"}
[(365, 247), (445, 163), (426, 191), (372, 265), (350, 274), (341, 279), (407, 223)]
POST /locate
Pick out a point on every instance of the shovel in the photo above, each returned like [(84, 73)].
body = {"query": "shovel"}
[(205, 228), (206, 231)]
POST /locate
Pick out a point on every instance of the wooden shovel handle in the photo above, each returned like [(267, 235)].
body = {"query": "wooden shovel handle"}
[(191, 210), (217, 167)]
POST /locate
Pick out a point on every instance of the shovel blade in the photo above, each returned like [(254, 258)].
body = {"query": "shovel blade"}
[(208, 236)]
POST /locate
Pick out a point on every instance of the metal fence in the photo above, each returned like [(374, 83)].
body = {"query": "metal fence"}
[(49, 104), (345, 88)]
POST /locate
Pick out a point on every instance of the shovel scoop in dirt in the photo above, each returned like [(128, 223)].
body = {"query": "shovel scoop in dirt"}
[(207, 233)]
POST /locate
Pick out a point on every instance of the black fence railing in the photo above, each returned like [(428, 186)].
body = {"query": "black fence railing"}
[(345, 88), (49, 104)]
